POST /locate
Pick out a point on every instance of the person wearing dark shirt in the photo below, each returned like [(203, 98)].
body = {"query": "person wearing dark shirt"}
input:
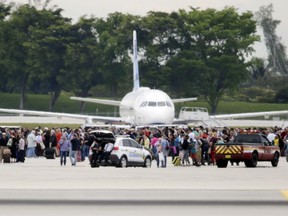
[(75, 146), (3, 145), (96, 153)]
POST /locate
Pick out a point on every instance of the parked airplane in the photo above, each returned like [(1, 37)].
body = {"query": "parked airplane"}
[(142, 106)]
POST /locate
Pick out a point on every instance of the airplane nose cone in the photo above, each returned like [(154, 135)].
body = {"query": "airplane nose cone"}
[(161, 116)]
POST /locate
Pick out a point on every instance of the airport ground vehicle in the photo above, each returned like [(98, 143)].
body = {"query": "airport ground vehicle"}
[(126, 151), (249, 148)]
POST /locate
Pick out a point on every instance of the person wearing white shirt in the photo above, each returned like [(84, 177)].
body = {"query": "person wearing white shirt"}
[(271, 136), (21, 149), (107, 151), (31, 144)]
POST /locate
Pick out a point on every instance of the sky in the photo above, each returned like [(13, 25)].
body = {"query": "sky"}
[(101, 8)]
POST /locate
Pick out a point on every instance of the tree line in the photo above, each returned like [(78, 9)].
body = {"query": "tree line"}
[(185, 53)]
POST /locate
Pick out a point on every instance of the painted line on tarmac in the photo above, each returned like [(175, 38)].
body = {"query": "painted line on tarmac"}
[(285, 194)]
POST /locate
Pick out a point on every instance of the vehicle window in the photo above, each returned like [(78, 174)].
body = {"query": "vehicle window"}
[(103, 135), (248, 138), (265, 141), (120, 143), (161, 103), (152, 103), (134, 144), (126, 143)]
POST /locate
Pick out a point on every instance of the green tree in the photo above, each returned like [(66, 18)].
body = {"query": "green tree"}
[(83, 58), (158, 37), (217, 44), (17, 34), (115, 39), (46, 56), (5, 11)]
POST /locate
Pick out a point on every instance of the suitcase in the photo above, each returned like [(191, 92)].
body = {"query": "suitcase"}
[(6, 158), (49, 153), (177, 161)]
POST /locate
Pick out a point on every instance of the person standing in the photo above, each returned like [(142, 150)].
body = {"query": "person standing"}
[(40, 145), (185, 148), (146, 142), (53, 142), (96, 152), (153, 142), (173, 151), (64, 148), (165, 149), (212, 143), (58, 135), (21, 149), (85, 146), (46, 137), (75, 146), (3, 145), (159, 156), (31, 144)]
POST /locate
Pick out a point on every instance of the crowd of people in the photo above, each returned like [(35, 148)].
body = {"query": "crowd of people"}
[(194, 146)]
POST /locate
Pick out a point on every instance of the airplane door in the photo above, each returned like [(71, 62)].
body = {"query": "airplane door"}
[(138, 151)]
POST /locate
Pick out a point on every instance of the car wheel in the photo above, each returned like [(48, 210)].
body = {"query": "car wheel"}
[(147, 162), (253, 161), (221, 163), (123, 162), (275, 160), (247, 163)]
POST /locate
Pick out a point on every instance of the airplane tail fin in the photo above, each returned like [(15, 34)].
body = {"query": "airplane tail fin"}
[(136, 81)]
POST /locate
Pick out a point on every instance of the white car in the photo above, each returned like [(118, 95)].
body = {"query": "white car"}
[(126, 151)]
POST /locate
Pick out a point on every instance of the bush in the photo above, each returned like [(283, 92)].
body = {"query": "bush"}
[(257, 95), (282, 95)]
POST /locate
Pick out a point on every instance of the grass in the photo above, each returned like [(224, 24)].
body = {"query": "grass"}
[(41, 102), (64, 104)]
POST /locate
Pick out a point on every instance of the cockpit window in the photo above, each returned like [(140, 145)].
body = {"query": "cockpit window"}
[(152, 103), (168, 104), (143, 104)]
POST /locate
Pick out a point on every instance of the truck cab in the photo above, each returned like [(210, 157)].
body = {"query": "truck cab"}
[(249, 148)]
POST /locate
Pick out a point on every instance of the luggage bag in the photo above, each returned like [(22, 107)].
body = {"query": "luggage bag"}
[(49, 153), (177, 161), (6, 158), (6, 155)]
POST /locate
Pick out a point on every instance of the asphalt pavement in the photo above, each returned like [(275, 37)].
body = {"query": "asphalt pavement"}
[(43, 187)]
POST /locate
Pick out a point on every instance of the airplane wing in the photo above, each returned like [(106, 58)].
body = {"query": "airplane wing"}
[(96, 100), (87, 118), (247, 115), (179, 100)]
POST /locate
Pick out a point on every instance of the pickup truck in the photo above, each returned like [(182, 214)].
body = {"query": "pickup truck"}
[(249, 148)]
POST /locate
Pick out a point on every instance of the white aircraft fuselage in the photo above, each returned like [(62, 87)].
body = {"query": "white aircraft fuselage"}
[(145, 106)]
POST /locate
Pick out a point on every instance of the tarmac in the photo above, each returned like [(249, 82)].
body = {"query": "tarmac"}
[(40, 183), (43, 187)]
